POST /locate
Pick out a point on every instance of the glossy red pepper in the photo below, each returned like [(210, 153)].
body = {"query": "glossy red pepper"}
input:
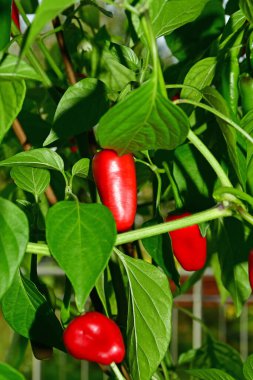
[(250, 267), (94, 337), (115, 178), (188, 245), (15, 15)]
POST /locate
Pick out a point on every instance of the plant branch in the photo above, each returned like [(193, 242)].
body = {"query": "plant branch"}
[(66, 58), (202, 148)]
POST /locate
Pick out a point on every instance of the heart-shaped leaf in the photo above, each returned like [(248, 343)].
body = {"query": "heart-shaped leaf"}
[(14, 235), (145, 119), (33, 180), (149, 316), (80, 238), (32, 317), (81, 168)]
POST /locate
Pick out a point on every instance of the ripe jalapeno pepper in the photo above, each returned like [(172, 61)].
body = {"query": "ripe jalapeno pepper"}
[(94, 337), (188, 245), (115, 178)]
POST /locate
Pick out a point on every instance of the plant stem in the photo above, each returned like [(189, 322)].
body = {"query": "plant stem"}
[(142, 233), (203, 216), (210, 158), (117, 372), (246, 216), (218, 114), (179, 203), (165, 371)]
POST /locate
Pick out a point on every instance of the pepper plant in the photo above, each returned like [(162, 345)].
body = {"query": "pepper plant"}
[(168, 84)]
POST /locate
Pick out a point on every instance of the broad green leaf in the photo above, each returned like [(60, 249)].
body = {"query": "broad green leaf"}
[(13, 68), (80, 238), (159, 248), (149, 316), (168, 15), (230, 239), (115, 75), (32, 317), (210, 374), (81, 168), (247, 8), (199, 76), (219, 355), (9, 373), (40, 158), (5, 11), (33, 180), (46, 12), (236, 156), (248, 368), (143, 120), (193, 39), (14, 235), (12, 95), (87, 97)]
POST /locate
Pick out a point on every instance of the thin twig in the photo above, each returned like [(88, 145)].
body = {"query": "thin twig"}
[(65, 55), (22, 138)]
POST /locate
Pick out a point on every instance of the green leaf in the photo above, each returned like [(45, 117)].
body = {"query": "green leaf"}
[(14, 235), (5, 11), (149, 316), (199, 76), (219, 355), (81, 168), (248, 368), (12, 95), (159, 248), (234, 24), (210, 374), (143, 120), (33, 180), (230, 238), (80, 238), (87, 97), (247, 8), (236, 156), (247, 124), (193, 39), (13, 68), (9, 373), (169, 15), (41, 158), (46, 12), (115, 75), (32, 317)]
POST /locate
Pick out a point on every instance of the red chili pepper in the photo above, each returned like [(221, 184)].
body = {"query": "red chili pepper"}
[(250, 267), (188, 245), (94, 337), (15, 15), (115, 178)]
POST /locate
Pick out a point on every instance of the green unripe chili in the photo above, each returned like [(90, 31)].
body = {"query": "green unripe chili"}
[(245, 85), (229, 80)]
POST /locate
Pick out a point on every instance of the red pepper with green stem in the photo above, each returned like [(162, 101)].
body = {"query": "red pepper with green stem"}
[(94, 337), (115, 178), (15, 15)]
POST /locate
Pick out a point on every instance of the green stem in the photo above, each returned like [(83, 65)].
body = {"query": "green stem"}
[(220, 192), (210, 158), (117, 372), (246, 216), (159, 190), (33, 59), (179, 203), (41, 44), (165, 371), (128, 237), (203, 216), (186, 86), (218, 114)]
